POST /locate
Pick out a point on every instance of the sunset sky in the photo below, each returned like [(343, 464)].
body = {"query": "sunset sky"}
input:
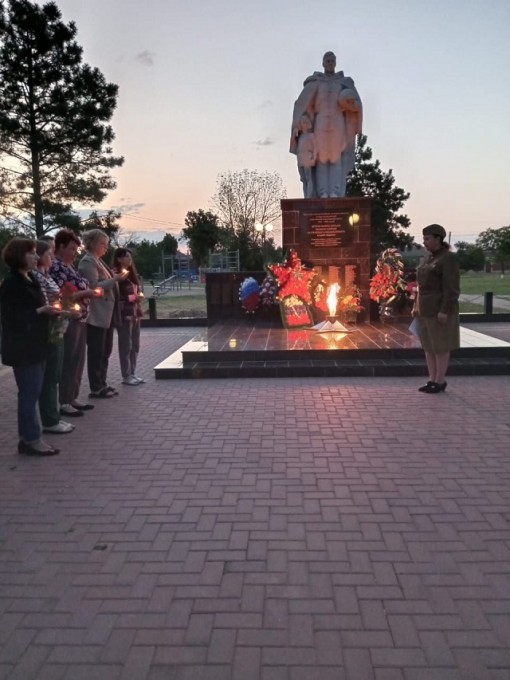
[(208, 86)]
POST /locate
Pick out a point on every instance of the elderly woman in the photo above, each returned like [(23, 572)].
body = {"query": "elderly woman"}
[(67, 278), (437, 306), (103, 313), (25, 315)]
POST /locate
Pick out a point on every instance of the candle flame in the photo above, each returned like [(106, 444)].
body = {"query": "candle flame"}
[(76, 307), (332, 299)]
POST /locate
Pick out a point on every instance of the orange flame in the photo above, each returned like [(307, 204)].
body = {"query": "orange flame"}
[(332, 299)]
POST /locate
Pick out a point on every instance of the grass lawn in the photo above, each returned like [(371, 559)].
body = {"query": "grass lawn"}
[(480, 283), (173, 305), (473, 307)]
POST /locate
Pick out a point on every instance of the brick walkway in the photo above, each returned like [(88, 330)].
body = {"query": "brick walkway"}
[(309, 529)]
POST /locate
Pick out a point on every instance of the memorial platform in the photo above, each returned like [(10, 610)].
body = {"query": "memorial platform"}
[(240, 349)]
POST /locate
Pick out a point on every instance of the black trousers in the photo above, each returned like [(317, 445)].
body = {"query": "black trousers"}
[(99, 349), (75, 339)]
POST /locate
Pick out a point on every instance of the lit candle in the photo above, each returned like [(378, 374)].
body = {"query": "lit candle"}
[(141, 294), (99, 292), (76, 307), (57, 305), (125, 272)]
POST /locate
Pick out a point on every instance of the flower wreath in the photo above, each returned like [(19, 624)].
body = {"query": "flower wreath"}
[(388, 279)]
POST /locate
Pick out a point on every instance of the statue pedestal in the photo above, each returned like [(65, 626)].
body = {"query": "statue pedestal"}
[(324, 236)]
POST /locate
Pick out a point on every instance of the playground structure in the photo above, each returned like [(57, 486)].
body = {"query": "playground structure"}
[(181, 273), (223, 261)]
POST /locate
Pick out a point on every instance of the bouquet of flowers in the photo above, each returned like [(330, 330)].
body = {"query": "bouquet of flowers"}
[(411, 290), (388, 280), (268, 292), (66, 296), (351, 302), (66, 305)]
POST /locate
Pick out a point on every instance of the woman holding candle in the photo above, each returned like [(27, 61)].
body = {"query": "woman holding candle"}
[(75, 289), (104, 311), (25, 315), (49, 407), (128, 330)]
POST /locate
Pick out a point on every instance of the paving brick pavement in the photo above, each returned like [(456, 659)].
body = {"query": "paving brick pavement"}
[(298, 529)]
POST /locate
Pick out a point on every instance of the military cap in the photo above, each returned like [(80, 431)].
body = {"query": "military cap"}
[(434, 230)]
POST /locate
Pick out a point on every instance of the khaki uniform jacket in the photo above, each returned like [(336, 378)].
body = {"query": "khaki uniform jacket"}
[(103, 310), (438, 284)]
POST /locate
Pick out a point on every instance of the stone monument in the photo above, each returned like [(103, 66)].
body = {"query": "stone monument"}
[(329, 231), (332, 104)]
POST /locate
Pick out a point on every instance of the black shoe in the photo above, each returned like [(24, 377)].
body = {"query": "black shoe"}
[(425, 388), (102, 394), (435, 388), (82, 407), (69, 411), (28, 450)]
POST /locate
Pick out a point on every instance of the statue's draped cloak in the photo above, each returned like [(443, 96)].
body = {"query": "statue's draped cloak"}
[(335, 130)]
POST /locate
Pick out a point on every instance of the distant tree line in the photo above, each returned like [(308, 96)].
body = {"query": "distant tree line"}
[(491, 246), (148, 254)]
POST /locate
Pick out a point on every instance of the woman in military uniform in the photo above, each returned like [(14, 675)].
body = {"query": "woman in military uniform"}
[(437, 306)]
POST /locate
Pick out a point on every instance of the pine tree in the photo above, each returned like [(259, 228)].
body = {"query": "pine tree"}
[(55, 141), (368, 179)]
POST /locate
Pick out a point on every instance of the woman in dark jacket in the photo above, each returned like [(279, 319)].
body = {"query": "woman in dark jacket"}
[(131, 313), (25, 335)]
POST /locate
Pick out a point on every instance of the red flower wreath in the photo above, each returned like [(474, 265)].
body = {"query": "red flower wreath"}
[(292, 278)]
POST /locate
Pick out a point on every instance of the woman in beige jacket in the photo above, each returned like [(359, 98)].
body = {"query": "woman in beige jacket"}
[(103, 311)]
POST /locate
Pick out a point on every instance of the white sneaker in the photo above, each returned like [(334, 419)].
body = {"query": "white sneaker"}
[(139, 380), (63, 422), (130, 380), (59, 428)]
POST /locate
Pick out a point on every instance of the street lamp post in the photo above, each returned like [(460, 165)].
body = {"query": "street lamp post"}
[(263, 229)]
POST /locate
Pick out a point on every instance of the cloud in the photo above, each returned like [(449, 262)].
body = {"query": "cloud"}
[(146, 57), (265, 104), (128, 207), (268, 141)]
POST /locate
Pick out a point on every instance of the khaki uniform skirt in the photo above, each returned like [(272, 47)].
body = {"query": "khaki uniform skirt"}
[(439, 338)]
